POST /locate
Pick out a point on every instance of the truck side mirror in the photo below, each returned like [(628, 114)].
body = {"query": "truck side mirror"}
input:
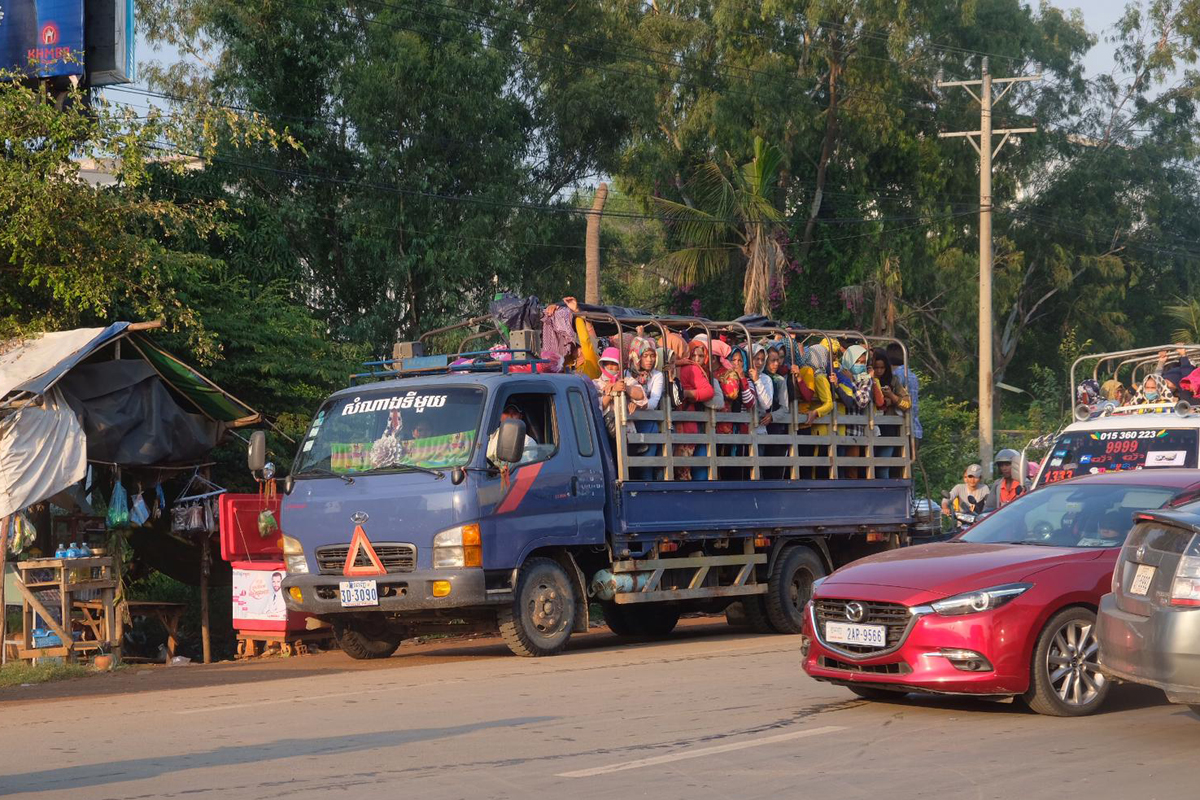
[(510, 441), (256, 454)]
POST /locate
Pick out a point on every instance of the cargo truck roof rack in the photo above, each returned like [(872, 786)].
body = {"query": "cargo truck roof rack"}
[(445, 364)]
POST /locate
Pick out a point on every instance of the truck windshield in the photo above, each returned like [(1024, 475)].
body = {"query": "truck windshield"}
[(388, 430), (1083, 452)]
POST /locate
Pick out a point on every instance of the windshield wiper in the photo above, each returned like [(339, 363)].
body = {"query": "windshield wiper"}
[(322, 471), (437, 473)]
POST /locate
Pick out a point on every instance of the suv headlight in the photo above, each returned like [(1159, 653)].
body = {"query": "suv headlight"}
[(293, 556), (458, 547), (983, 600)]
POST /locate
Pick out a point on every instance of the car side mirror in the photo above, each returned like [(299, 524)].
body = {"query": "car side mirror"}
[(510, 441), (256, 454)]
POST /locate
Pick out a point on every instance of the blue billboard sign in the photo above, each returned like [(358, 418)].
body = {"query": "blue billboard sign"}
[(42, 37)]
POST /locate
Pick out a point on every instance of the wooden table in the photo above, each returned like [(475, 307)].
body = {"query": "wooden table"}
[(167, 614), (68, 578)]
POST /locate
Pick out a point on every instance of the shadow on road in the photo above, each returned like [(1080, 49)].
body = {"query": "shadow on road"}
[(1126, 697), (133, 769)]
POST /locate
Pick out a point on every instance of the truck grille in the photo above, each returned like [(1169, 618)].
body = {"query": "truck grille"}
[(395, 556), (894, 616)]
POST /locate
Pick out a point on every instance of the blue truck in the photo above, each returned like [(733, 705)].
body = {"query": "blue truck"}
[(462, 492)]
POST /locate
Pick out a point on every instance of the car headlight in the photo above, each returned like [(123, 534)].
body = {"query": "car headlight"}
[(293, 556), (983, 600), (458, 547)]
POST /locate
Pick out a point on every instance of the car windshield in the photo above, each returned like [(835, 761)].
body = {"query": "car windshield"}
[(383, 430), (1069, 515), (1083, 452)]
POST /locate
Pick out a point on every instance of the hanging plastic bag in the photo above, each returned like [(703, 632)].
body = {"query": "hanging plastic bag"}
[(179, 519), (267, 524), (118, 507), (21, 533), (138, 513), (195, 518), (210, 514), (160, 501)]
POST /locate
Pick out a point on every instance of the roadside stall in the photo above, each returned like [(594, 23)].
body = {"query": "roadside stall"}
[(96, 425)]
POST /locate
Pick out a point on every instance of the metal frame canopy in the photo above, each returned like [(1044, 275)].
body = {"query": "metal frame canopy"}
[(30, 368)]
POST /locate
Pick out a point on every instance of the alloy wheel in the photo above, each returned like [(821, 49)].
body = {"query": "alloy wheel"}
[(1073, 664)]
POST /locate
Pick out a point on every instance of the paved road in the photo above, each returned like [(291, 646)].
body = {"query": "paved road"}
[(708, 715)]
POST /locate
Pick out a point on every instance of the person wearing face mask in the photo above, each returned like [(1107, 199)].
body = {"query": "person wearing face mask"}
[(613, 389), (779, 412), (1153, 390), (644, 374), (968, 496), (855, 378)]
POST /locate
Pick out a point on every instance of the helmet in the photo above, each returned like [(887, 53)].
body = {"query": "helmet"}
[(1007, 456)]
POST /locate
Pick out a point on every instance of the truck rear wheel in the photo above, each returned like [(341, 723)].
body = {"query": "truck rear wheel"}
[(790, 587), (753, 615), (539, 621), (367, 637)]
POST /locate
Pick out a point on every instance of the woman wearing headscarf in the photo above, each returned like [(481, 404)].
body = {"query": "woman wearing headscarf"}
[(730, 382), (855, 376), (895, 401), (697, 390), (644, 374), (1153, 390), (815, 397), (780, 411)]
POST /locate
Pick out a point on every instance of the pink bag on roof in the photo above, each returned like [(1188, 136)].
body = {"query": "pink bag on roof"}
[(1192, 382)]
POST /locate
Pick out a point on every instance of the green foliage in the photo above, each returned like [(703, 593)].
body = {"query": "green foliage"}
[(18, 673), (951, 443)]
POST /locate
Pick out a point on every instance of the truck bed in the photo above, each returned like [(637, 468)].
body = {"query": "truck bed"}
[(722, 506)]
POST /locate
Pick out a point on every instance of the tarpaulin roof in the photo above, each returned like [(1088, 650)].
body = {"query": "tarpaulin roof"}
[(29, 368)]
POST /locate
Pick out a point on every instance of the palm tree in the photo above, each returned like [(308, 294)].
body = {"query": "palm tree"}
[(1187, 314), (730, 223)]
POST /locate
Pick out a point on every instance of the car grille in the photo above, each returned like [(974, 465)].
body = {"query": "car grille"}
[(893, 616), (395, 556), (898, 668)]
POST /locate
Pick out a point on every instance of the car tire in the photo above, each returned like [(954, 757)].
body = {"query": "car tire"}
[(641, 620), (542, 614), (367, 637), (872, 693), (789, 587), (1065, 678)]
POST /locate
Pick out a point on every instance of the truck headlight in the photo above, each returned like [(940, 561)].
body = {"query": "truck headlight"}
[(983, 600), (293, 556), (458, 547)]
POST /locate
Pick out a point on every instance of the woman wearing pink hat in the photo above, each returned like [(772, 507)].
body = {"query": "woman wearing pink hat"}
[(611, 386)]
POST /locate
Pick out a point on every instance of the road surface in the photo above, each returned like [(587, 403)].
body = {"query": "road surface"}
[(707, 714)]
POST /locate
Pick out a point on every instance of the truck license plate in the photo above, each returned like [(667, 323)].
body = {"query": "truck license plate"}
[(358, 593), (1142, 579), (849, 633)]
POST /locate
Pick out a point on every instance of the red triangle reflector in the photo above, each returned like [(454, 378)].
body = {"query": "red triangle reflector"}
[(357, 543)]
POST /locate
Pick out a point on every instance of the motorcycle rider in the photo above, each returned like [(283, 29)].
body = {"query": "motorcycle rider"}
[(1011, 485), (968, 496)]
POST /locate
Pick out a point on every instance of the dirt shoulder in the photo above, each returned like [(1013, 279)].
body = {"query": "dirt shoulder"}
[(154, 678)]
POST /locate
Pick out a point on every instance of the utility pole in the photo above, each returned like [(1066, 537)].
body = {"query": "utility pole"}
[(986, 153)]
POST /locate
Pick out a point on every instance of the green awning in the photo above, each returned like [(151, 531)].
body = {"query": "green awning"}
[(212, 401)]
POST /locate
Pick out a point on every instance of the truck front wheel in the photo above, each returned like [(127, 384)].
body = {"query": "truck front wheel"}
[(539, 621), (365, 637), (790, 587)]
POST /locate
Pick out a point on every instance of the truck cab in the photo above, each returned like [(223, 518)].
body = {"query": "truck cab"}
[(396, 507)]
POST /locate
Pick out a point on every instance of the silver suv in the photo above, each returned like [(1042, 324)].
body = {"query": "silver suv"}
[(1149, 626)]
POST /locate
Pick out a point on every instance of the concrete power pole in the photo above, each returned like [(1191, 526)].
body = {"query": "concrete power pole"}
[(591, 284), (986, 153)]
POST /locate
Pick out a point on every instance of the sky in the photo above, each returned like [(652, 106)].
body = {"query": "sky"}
[(1098, 16)]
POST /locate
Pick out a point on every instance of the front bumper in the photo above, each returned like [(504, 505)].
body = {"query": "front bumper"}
[(919, 663), (398, 591), (1161, 650)]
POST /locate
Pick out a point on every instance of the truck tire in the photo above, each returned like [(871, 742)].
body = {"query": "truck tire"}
[(754, 611), (539, 621), (366, 637), (790, 587), (641, 620), (618, 620)]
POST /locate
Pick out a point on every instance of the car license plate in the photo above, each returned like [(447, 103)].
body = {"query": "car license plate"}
[(358, 593), (1142, 579), (849, 633)]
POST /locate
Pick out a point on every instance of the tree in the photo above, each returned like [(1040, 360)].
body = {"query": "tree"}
[(592, 295), (730, 225)]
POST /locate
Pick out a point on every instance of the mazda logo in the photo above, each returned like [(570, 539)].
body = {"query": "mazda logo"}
[(855, 611), (359, 517)]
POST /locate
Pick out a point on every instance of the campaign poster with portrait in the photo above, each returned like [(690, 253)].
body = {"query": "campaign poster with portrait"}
[(258, 595)]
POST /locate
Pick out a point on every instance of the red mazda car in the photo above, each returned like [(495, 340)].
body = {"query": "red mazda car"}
[(1007, 608)]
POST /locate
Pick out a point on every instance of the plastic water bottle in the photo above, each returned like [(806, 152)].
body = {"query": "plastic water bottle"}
[(84, 550), (72, 551), (61, 552)]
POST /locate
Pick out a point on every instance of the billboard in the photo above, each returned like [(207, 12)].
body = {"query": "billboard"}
[(108, 28), (42, 37)]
